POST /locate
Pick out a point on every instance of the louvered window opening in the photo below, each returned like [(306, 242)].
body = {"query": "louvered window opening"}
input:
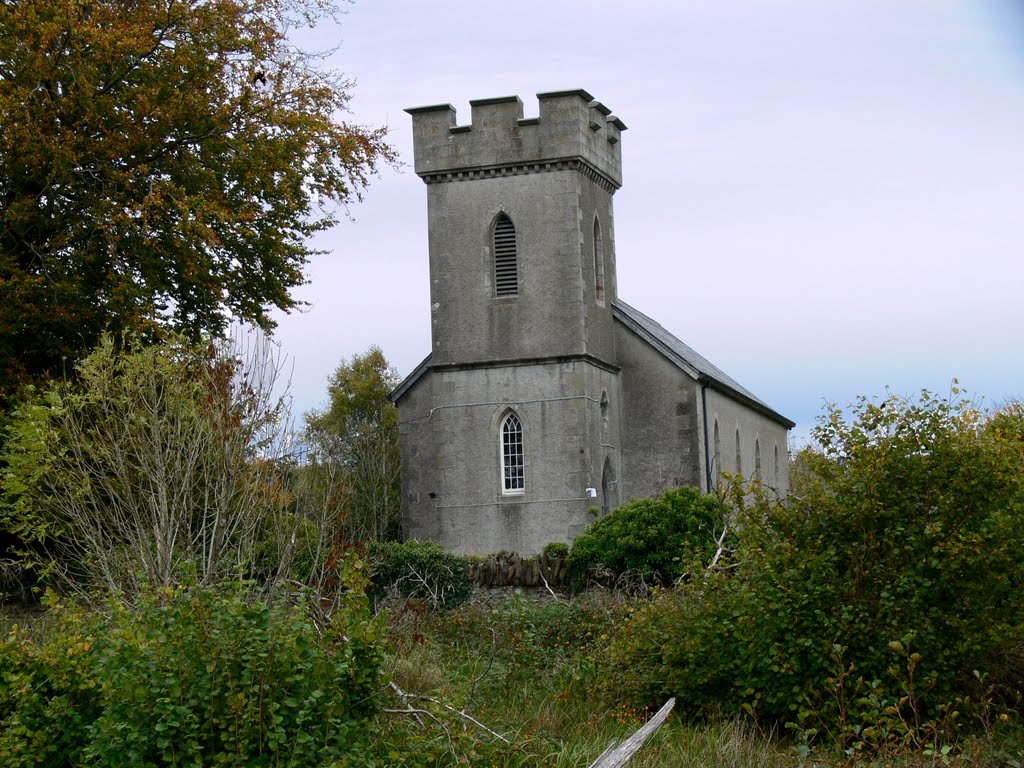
[(506, 268), (512, 456)]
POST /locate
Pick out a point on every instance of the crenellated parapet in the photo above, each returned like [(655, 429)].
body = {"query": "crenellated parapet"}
[(573, 130)]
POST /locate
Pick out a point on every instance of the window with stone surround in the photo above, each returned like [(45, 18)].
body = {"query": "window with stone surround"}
[(506, 258), (598, 262), (513, 456), (717, 458)]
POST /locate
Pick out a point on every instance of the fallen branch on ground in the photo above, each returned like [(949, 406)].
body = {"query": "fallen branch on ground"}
[(460, 713), (617, 756)]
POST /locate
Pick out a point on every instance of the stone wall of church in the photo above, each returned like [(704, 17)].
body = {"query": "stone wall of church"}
[(451, 454), (762, 442), (659, 420)]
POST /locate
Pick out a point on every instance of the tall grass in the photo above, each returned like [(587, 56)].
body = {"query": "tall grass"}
[(527, 667)]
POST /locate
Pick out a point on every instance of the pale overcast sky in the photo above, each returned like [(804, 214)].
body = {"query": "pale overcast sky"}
[(823, 198)]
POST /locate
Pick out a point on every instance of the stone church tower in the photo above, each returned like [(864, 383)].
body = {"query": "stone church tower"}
[(512, 428)]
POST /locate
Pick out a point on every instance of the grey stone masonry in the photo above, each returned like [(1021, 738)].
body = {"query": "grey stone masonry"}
[(572, 128)]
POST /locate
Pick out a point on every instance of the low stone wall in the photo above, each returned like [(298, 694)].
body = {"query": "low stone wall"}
[(509, 570)]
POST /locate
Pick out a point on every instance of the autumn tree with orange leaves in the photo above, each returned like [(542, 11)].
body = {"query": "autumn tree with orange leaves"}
[(162, 164)]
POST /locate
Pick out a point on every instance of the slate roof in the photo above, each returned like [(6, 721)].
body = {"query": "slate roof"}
[(411, 379), (682, 355), (688, 359)]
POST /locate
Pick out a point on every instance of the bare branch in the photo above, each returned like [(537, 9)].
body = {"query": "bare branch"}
[(459, 712)]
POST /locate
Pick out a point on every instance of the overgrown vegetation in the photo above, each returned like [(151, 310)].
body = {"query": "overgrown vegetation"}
[(880, 608), (658, 537), (154, 460), (522, 665), (192, 675), (528, 668), (419, 570), (873, 616), (352, 470)]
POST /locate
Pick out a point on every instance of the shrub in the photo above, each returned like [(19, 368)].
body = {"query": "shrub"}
[(421, 570), (152, 460), (659, 536), (48, 692), (863, 606), (555, 550), (196, 675)]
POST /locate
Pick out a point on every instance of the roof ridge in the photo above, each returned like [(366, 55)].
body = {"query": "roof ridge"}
[(686, 357)]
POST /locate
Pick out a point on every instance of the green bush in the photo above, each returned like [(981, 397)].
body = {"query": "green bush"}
[(863, 606), (660, 536), (555, 550), (49, 692), (420, 570), (196, 675)]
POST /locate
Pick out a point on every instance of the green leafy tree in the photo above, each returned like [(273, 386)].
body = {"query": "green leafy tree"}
[(882, 591), (353, 471), (161, 161)]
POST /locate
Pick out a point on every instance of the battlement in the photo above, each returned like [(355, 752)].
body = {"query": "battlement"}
[(572, 127)]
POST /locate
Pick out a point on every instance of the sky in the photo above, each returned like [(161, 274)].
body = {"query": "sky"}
[(825, 199)]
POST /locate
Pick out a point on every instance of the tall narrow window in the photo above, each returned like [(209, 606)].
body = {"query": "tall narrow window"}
[(506, 259), (776, 466), (608, 496), (757, 459), (598, 262), (604, 416), (513, 475), (717, 458), (739, 455)]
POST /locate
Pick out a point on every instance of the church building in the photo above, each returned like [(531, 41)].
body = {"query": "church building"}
[(544, 394)]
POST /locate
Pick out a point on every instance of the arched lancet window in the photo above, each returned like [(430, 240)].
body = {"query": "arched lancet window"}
[(739, 454), (757, 459), (506, 258), (598, 262), (609, 497), (776, 466), (717, 458), (604, 415), (513, 464)]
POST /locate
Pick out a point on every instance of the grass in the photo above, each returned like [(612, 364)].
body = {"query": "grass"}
[(528, 668)]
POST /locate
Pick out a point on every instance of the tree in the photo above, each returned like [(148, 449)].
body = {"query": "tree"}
[(161, 162), (158, 463), (354, 451)]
